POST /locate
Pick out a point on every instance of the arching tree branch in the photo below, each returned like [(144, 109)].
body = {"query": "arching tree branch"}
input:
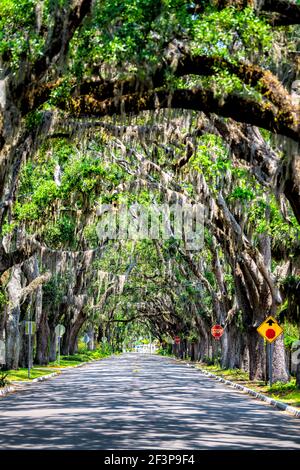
[(241, 109)]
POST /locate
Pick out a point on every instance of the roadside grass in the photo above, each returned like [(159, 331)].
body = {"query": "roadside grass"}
[(287, 393), (22, 374), (84, 355), (164, 352)]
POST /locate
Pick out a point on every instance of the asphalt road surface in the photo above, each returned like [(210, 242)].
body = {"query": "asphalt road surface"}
[(137, 401)]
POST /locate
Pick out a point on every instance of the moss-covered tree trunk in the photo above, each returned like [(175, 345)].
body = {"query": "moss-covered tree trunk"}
[(42, 355), (12, 332)]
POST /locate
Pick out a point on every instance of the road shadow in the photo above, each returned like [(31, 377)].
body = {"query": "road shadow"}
[(137, 401)]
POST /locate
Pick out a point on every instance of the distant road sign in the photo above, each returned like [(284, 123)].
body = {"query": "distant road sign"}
[(103, 339), (86, 338), (177, 340), (30, 327), (270, 329), (59, 330), (217, 331)]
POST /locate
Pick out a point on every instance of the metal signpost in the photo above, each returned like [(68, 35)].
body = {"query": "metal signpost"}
[(59, 331), (177, 340), (2, 352), (177, 343), (217, 331), (269, 329), (30, 328)]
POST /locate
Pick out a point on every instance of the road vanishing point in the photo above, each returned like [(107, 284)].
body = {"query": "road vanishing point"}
[(139, 401)]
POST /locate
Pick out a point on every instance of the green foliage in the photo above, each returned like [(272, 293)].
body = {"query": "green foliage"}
[(8, 228), (131, 33), (211, 159), (3, 298), (90, 234), (45, 194), (267, 218), (82, 173), (41, 198), (242, 194), (209, 361), (18, 36), (62, 92), (226, 33), (60, 233), (63, 151), (54, 290), (165, 351), (280, 387), (291, 308), (33, 120), (27, 211), (84, 355)]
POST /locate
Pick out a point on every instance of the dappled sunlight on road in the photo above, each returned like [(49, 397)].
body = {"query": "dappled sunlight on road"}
[(137, 401)]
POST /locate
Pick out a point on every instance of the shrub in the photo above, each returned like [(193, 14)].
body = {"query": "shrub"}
[(3, 379)]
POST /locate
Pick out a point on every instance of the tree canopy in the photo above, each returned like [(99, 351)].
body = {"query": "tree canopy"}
[(150, 102)]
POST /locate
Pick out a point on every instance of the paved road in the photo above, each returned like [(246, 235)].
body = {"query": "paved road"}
[(137, 401)]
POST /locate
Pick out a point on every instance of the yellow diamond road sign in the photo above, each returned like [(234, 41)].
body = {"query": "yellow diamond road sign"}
[(269, 329)]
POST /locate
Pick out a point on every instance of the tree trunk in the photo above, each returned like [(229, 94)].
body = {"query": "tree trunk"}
[(75, 329), (65, 343), (12, 333), (91, 334), (52, 343), (257, 362), (24, 343), (280, 370), (43, 340), (298, 375), (233, 345)]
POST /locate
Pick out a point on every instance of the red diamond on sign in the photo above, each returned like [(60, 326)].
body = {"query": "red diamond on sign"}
[(177, 340), (217, 331)]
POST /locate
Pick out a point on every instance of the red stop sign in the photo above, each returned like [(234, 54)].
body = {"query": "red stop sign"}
[(217, 331), (177, 340)]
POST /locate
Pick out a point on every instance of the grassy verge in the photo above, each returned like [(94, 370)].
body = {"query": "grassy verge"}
[(287, 393), (82, 356), (164, 352), (22, 374)]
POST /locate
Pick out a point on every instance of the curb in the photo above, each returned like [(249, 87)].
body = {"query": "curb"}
[(42, 378), (19, 385), (260, 396), (6, 390)]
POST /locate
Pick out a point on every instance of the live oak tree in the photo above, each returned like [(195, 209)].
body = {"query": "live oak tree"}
[(149, 101)]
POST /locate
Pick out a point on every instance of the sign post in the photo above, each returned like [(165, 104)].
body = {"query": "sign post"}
[(30, 328), (269, 329), (59, 331), (217, 331), (177, 340), (270, 356), (2, 352)]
